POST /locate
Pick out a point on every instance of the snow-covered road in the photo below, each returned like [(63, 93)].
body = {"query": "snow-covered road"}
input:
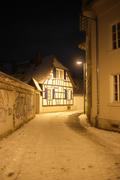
[(54, 146)]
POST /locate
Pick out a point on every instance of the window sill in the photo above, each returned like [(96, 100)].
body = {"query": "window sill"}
[(113, 50)]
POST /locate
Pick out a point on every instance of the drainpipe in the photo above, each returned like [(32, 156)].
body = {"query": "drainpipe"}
[(97, 70), (90, 15)]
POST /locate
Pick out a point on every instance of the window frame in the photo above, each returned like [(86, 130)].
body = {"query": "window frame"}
[(116, 36), (116, 88)]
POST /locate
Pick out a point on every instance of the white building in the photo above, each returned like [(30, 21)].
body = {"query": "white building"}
[(103, 63), (55, 86)]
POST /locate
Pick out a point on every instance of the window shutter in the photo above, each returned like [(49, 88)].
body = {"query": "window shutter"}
[(65, 93), (54, 72), (53, 93), (46, 93), (65, 74)]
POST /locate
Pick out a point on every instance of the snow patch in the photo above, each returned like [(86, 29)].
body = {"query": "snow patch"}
[(84, 120)]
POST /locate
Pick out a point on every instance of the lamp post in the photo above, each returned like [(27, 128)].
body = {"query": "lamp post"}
[(79, 63)]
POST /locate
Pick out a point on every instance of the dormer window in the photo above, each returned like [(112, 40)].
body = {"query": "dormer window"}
[(59, 73)]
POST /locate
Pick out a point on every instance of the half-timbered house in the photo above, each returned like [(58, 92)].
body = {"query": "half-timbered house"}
[(54, 82)]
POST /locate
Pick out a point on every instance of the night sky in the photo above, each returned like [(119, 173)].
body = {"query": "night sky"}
[(51, 28)]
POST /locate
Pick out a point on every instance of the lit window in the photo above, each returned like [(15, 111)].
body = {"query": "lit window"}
[(59, 74), (69, 94), (116, 87), (58, 93), (116, 36), (50, 94)]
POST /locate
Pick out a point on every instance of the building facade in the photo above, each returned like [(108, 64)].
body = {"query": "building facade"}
[(54, 83), (57, 89), (104, 63)]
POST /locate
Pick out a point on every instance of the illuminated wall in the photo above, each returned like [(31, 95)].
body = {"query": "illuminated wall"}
[(57, 89), (17, 103), (108, 62)]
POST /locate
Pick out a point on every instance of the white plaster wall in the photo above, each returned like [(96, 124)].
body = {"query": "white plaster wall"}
[(109, 63), (51, 108), (78, 103)]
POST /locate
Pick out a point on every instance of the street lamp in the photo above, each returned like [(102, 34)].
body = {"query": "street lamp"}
[(79, 63)]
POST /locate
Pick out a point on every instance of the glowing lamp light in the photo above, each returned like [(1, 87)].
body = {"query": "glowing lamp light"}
[(78, 62)]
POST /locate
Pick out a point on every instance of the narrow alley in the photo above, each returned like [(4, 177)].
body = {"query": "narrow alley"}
[(55, 146)]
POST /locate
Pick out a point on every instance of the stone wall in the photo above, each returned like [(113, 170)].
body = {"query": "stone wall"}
[(17, 103)]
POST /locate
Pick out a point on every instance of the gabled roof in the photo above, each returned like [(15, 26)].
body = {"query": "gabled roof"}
[(57, 64), (41, 72)]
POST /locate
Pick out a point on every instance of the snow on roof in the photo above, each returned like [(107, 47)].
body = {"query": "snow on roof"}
[(41, 72), (57, 64)]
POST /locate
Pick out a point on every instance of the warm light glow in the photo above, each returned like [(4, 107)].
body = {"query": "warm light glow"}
[(78, 62)]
